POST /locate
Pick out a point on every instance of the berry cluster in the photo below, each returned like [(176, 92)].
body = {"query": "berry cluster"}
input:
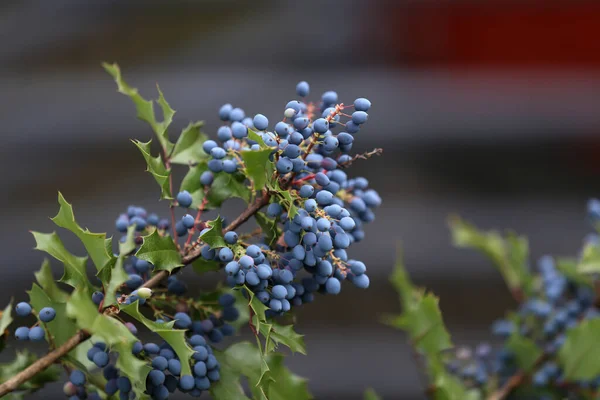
[(559, 303), (35, 333), (309, 155), (313, 224)]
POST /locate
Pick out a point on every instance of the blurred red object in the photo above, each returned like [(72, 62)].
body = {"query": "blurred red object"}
[(494, 34)]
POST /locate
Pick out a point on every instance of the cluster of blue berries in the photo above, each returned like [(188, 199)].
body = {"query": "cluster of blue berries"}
[(36, 333), (560, 303), (310, 149), (165, 377)]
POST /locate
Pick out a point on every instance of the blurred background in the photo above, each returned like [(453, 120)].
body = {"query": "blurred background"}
[(486, 109)]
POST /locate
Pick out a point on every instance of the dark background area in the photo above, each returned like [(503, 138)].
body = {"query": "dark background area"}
[(486, 110)]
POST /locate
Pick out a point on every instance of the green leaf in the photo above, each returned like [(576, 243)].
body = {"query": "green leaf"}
[(252, 135), (570, 268), (94, 242), (270, 228), (188, 148), (202, 266), (214, 235), (286, 198), (421, 317), (579, 356), (114, 275), (114, 333), (145, 108), (258, 166), (285, 335), (244, 359), (157, 168), (61, 328), (75, 271), (446, 386), (226, 186), (46, 281), (160, 251), (370, 394), (526, 352), (21, 361), (6, 317), (509, 254), (590, 259), (175, 337)]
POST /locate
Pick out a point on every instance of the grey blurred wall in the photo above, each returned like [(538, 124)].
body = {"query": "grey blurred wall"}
[(502, 148)]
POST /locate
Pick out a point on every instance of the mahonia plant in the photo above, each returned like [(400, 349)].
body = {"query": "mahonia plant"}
[(546, 349), (308, 212)]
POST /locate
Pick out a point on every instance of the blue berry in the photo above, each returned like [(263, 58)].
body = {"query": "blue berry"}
[(224, 112), (237, 114), (36, 334), (100, 359), (329, 98), (230, 237), (188, 221), (359, 117), (362, 104), (321, 125), (22, 333), (186, 382), (302, 89), (77, 378), (207, 178), (260, 122), (184, 199), (225, 254), (23, 309)]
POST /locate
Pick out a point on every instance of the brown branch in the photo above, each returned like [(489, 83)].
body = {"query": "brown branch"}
[(50, 358), (43, 363)]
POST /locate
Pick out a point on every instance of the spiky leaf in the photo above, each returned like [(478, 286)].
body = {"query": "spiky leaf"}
[(526, 352), (61, 328), (145, 108), (46, 281), (94, 242), (188, 148), (75, 272), (258, 166), (214, 235), (160, 251), (269, 226), (157, 168)]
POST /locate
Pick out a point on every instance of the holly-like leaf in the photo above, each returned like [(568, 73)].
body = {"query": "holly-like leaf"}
[(214, 235), (175, 337), (579, 356), (526, 352), (285, 335), (270, 228), (286, 198), (509, 254), (160, 251), (252, 135), (157, 168), (75, 272), (244, 359), (114, 333), (226, 186), (116, 275), (61, 328), (258, 166), (188, 148), (421, 317), (94, 242), (45, 279), (145, 108)]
